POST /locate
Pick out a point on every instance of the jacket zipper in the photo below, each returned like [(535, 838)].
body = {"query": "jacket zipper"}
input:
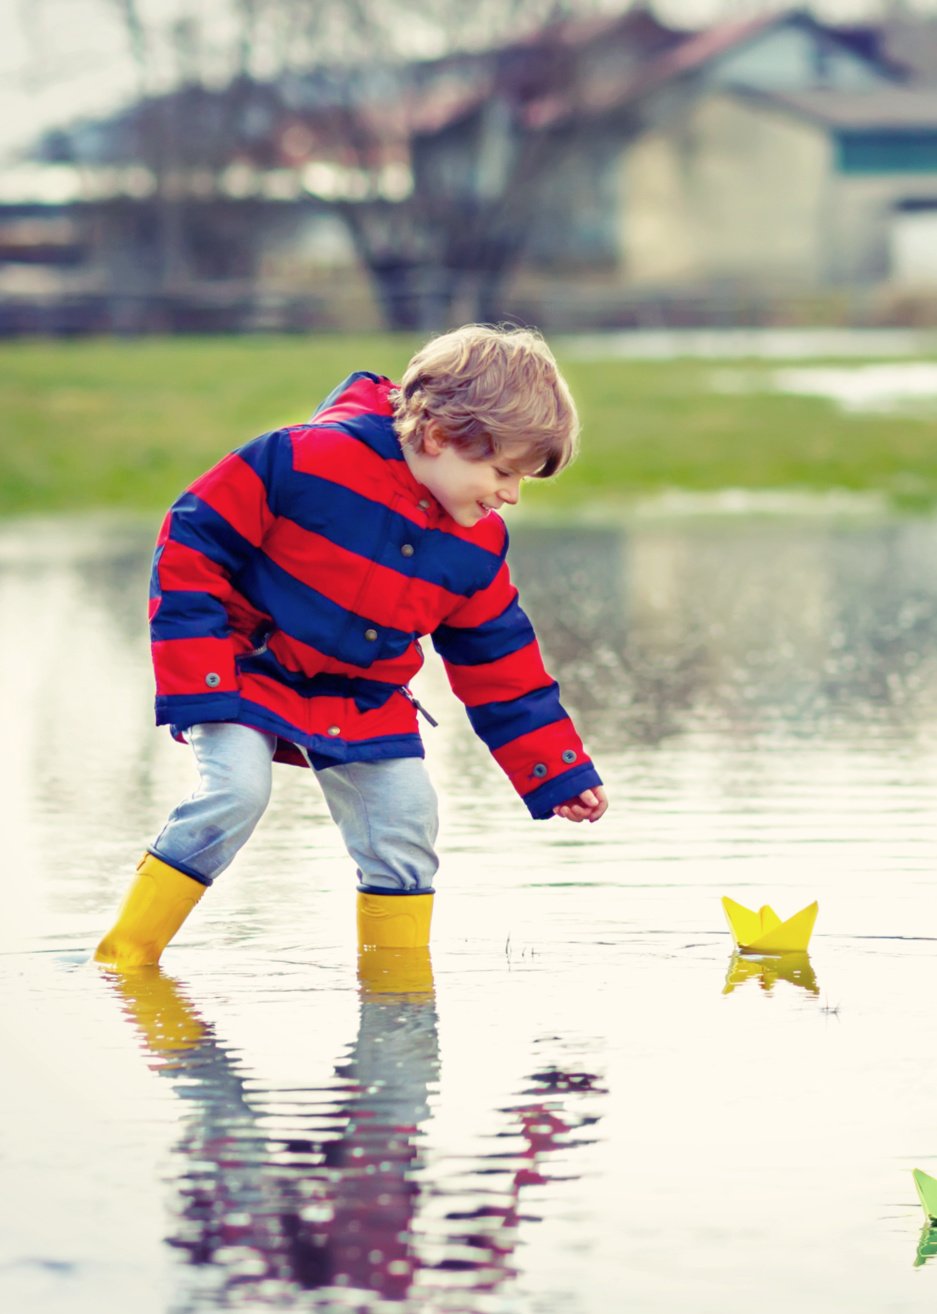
[(408, 694), (256, 652)]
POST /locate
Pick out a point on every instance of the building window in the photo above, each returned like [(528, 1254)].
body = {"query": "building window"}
[(910, 150)]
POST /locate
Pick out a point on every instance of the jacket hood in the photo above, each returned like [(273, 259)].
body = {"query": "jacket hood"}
[(361, 406)]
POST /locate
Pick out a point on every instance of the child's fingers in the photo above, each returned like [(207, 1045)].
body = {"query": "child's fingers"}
[(600, 808), (571, 812), (587, 806), (580, 812)]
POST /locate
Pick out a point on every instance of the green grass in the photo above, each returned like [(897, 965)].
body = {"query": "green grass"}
[(95, 424)]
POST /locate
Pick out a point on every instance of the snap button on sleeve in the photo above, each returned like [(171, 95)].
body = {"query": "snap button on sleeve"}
[(423, 504), (407, 550), (335, 730), (213, 679), (569, 755), (540, 770), (370, 635)]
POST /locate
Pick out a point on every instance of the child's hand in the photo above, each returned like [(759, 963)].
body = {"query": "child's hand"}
[(587, 806)]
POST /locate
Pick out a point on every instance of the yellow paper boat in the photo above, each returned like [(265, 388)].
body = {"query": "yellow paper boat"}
[(763, 932), (927, 1192)]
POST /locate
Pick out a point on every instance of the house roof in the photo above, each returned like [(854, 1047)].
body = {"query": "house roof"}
[(602, 96), (689, 56), (891, 107)]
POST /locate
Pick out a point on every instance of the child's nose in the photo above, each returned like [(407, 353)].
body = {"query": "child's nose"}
[(510, 491)]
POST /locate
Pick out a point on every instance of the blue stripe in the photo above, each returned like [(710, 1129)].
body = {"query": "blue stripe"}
[(485, 643), (270, 456), (182, 710), (377, 431), (357, 523), (187, 614), (541, 802), (325, 751), (459, 567), (500, 723), (156, 588), (370, 529), (195, 524), (303, 613), (367, 694)]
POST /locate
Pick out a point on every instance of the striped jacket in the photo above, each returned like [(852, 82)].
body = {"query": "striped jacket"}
[(292, 583)]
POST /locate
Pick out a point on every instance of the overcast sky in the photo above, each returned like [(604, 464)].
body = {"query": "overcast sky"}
[(67, 59)]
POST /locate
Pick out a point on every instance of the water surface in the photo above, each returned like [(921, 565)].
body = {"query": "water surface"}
[(592, 1104)]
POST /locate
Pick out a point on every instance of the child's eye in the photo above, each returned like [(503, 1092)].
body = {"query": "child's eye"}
[(502, 474)]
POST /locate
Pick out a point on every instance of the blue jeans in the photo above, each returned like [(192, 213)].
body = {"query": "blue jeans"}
[(386, 811)]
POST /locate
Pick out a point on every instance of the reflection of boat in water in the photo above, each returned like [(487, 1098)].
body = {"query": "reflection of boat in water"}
[(795, 968), (283, 1190), (926, 1245)]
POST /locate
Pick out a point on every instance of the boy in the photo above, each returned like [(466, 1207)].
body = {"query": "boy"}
[(291, 585)]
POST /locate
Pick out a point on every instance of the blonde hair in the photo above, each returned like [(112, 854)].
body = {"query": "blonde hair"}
[(489, 388)]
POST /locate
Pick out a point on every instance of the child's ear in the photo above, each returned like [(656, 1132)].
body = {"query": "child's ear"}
[(434, 440)]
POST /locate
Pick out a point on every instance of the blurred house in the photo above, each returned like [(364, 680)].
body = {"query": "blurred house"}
[(608, 171), (769, 157), (824, 188)]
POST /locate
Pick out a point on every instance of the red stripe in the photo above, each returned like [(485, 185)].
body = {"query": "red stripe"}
[(302, 657), (356, 583), (334, 455), (182, 567), (509, 677), (316, 716), (238, 494), (543, 747), (489, 533), (185, 568), (486, 604), (182, 665)]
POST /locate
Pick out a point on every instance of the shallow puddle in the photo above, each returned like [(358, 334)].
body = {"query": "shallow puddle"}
[(907, 388), (589, 1103)]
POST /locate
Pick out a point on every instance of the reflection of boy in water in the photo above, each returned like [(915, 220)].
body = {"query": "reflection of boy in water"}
[(291, 586), (331, 1203), (334, 1202)]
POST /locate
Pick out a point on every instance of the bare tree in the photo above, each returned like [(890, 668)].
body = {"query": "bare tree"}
[(416, 120)]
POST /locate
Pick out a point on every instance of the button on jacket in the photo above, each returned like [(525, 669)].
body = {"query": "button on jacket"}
[(291, 586)]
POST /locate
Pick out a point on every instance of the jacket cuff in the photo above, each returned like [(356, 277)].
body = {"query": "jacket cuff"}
[(183, 710), (541, 802)]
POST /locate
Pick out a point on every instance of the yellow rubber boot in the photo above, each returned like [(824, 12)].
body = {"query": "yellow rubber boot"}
[(156, 905), (394, 921)]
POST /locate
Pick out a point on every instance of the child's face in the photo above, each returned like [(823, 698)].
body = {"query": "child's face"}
[(469, 488)]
